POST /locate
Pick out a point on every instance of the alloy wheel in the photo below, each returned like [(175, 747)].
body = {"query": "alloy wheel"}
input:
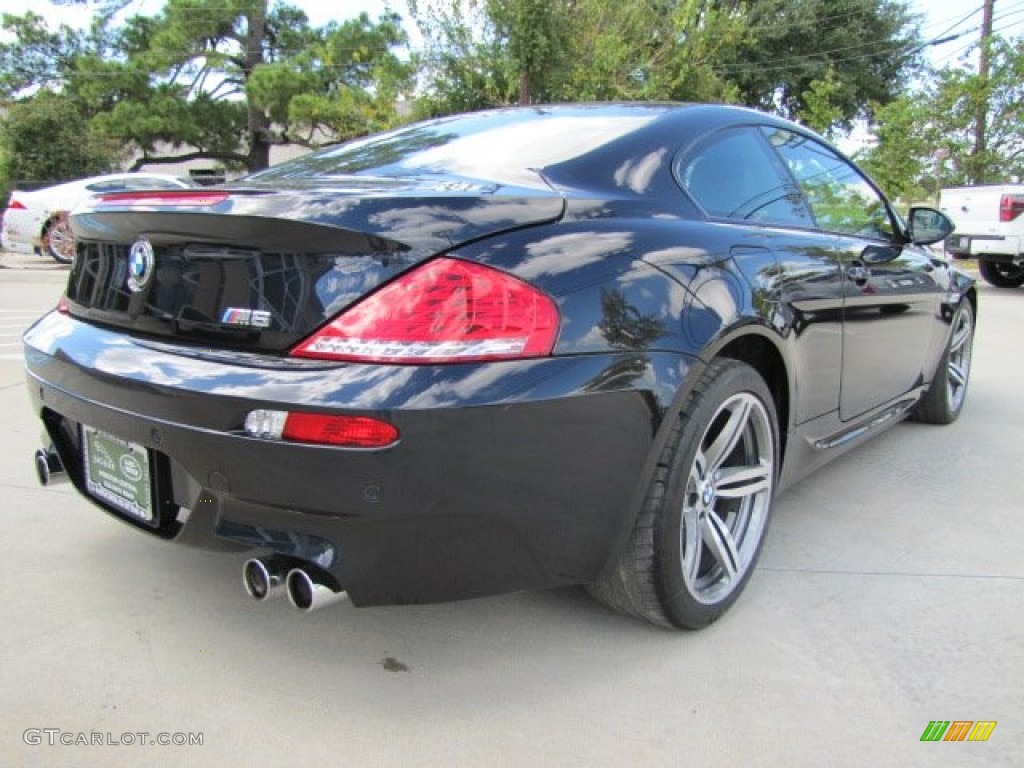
[(727, 499), (960, 347)]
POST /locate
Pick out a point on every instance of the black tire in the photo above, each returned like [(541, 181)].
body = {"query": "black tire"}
[(1001, 274), (667, 573), (944, 399), (59, 240)]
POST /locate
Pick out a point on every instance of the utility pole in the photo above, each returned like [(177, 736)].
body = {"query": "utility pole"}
[(978, 170)]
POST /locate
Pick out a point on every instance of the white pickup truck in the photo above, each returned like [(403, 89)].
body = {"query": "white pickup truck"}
[(989, 225)]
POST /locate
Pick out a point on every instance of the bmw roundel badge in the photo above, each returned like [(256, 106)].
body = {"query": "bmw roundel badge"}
[(141, 262)]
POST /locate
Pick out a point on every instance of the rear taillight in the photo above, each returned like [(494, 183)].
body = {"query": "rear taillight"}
[(1010, 207), (444, 311), (351, 431), (16, 204), (62, 305), (321, 429)]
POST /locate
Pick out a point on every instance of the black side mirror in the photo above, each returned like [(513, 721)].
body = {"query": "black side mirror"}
[(927, 226)]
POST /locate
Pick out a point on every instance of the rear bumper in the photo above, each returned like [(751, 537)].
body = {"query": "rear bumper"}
[(21, 231), (507, 476), (1009, 248)]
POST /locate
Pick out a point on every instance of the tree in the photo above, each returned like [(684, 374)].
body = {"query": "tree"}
[(497, 52), (216, 79), (537, 34), (924, 139), (869, 49), (954, 102), (232, 78), (652, 50), (467, 64), (806, 59), (46, 138), (902, 161)]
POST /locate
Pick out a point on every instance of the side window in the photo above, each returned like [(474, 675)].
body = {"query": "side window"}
[(840, 197), (146, 182), (734, 176), (103, 187)]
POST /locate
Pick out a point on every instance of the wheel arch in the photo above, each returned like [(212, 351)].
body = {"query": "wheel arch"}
[(971, 294), (751, 344), (760, 352), (52, 216), (50, 220)]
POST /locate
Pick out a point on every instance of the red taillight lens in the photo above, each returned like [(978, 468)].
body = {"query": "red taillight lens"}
[(62, 305), (321, 428), (442, 312), (1010, 207), (164, 198), (349, 431), (15, 204)]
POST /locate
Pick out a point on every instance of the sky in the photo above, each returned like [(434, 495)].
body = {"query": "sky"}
[(961, 20)]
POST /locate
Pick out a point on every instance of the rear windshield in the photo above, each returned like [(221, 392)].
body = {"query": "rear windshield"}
[(500, 145)]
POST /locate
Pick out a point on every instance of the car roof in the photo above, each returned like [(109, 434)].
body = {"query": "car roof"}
[(517, 145)]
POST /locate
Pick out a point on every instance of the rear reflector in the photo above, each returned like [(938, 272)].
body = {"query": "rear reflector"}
[(16, 205), (321, 429), (164, 198), (444, 311), (1010, 207)]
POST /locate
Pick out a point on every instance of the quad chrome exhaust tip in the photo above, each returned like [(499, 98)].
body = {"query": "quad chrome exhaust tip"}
[(263, 577), (49, 467), (308, 592)]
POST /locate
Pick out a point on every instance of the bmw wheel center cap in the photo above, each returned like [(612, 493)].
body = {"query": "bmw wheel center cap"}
[(141, 264)]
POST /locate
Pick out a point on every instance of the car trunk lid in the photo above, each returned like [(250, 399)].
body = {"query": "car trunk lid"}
[(256, 269)]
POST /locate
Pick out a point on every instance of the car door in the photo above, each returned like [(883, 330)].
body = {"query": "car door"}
[(736, 178), (892, 299)]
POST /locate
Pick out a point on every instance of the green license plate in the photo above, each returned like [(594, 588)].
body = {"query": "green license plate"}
[(118, 472)]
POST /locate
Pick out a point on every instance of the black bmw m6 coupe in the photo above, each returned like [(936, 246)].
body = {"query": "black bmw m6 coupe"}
[(508, 350)]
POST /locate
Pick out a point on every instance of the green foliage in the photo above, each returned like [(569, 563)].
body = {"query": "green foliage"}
[(925, 139), (37, 57), (215, 79), (955, 98), (47, 139), (821, 111), (466, 64), (338, 82), (496, 52), (537, 35), (867, 47), (809, 59), (651, 50), (901, 161)]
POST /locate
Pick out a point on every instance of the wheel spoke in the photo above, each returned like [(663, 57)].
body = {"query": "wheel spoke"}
[(720, 543), (726, 440), (740, 482), (699, 471), (960, 336), (692, 548), (957, 375)]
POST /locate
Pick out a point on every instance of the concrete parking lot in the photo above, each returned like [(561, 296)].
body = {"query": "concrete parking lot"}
[(890, 594)]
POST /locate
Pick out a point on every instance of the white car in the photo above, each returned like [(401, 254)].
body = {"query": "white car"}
[(37, 221)]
